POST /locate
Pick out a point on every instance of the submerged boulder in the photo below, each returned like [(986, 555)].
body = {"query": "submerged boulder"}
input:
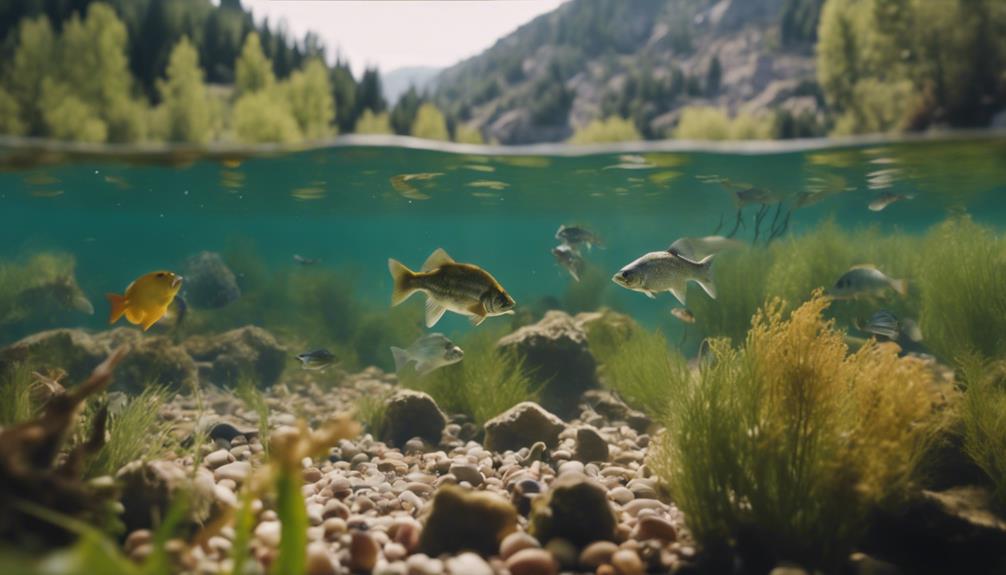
[(521, 426), (557, 356), (575, 509), (155, 360), (209, 283), (73, 350), (460, 520), (409, 414), (249, 351), (150, 487)]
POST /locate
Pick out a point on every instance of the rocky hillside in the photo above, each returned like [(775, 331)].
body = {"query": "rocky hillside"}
[(645, 59)]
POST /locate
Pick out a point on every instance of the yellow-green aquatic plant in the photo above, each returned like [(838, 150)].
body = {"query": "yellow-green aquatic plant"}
[(740, 277), (486, 383), (640, 367), (248, 392), (793, 439), (15, 394), (962, 278), (370, 411), (135, 431), (984, 416)]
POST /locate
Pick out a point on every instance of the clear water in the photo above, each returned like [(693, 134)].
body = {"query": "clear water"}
[(352, 207)]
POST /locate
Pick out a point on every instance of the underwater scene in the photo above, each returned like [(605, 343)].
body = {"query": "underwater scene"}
[(387, 356)]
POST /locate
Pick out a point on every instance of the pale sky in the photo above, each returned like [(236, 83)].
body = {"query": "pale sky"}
[(392, 34)]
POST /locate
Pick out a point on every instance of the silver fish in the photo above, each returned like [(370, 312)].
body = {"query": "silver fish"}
[(866, 281), (316, 360), (305, 261), (665, 271), (574, 236), (429, 352), (568, 258), (683, 314), (887, 198), (696, 248), (887, 325)]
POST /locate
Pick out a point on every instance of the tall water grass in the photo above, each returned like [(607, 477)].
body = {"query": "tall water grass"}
[(984, 416), (136, 431), (642, 369), (791, 439), (15, 394)]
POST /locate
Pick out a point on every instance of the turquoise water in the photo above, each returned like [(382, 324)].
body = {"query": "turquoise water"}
[(355, 206)]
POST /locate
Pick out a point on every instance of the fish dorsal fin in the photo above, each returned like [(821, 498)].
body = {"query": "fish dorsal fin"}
[(863, 267), (438, 258)]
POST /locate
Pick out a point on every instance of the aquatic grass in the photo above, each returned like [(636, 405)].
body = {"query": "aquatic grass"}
[(244, 523), (248, 392), (984, 417), (740, 277), (486, 383), (136, 431), (963, 299), (370, 410), (15, 394), (791, 441), (641, 369)]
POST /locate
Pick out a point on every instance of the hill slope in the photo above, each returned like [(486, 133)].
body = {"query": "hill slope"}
[(644, 59)]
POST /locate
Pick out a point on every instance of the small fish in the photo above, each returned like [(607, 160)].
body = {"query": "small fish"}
[(665, 271), (574, 237), (865, 280), (695, 248), (887, 198), (750, 195), (305, 261), (429, 352), (146, 300), (684, 314), (567, 257), (465, 289), (887, 325), (316, 360)]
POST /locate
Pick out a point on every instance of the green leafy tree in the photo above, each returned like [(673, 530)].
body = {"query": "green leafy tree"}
[(34, 58), (430, 123), (184, 99), (371, 123), (344, 95), (703, 123), (253, 71), (403, 115), (714, 76), (68, 117), (466, 134), (310, 99), (260, 118), (611, 129), (369, 94), (10, 115)]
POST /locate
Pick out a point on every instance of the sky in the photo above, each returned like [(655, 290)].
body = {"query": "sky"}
[(392, 34)]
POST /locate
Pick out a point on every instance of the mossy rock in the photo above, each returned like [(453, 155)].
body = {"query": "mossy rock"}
[(73, 350), (522, 426), (409, 414), (156, 361), (150, 488), (460, 520), (248, 351), (575, 509)]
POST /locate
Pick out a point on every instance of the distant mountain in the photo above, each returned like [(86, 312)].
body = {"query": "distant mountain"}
[(398, 81), (643, 59)]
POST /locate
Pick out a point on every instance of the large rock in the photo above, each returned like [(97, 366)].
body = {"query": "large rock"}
[(249, 351), (614, 409), (575, 509), (209, 283), (152, 360), (556, 354), (409, 414), (149, 488), (460, 520), (521, 426), (73, 350)]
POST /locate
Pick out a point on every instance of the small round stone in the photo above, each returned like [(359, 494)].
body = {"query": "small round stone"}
[(653, 527), (363, 551), (515, 542), (597, 554), (318, 561), (627, 562), (532, 562)]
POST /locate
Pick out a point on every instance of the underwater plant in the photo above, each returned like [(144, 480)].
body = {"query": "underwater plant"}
[(963, 300), (984, 416), (740, 277), (135, 431), (16, 403), (486, 383), (789, 441), (370, 411), (639, 368), (38, 291), (248, 392)]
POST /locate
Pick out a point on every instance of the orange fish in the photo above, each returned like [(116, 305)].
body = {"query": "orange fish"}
[(146, 299)]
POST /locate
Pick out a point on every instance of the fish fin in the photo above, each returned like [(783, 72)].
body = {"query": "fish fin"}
[(705, 277), (707, 286), (118, 304), (434, 311), (151, 318), (900, 286), (912, 330), (477, 319), (401, 358), (575, 275), (424, 367), (649, 294), (134, 316), (863, 267), (400, 276), (679, 291), (82, 304), (438, 258)]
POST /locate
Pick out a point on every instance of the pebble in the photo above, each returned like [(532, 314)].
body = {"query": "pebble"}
[(636, 505), (573, 466), (236, 471), (653, 527), (517, 541), (621, 495), (218, 458), (268, 532), (363, 551), (532, 562), (597, 554), (627, 562), (318, 561), (468, 564), (334, 527), (563, 551), (136, 539), (467, 472)]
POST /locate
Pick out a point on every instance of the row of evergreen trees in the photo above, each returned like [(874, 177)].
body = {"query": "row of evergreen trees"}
[(86, 78)]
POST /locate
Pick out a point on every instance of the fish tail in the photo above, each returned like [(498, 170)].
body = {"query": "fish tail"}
[(705, 275), (401, 358), (900, 286), (400, 276), (118, 304)]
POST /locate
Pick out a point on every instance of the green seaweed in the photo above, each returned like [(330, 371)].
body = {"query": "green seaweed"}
[(248, 392), (792, 440), (136, 431), (370, 411), (984, 416), (15, 395), (740, 277), (639, 368)]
